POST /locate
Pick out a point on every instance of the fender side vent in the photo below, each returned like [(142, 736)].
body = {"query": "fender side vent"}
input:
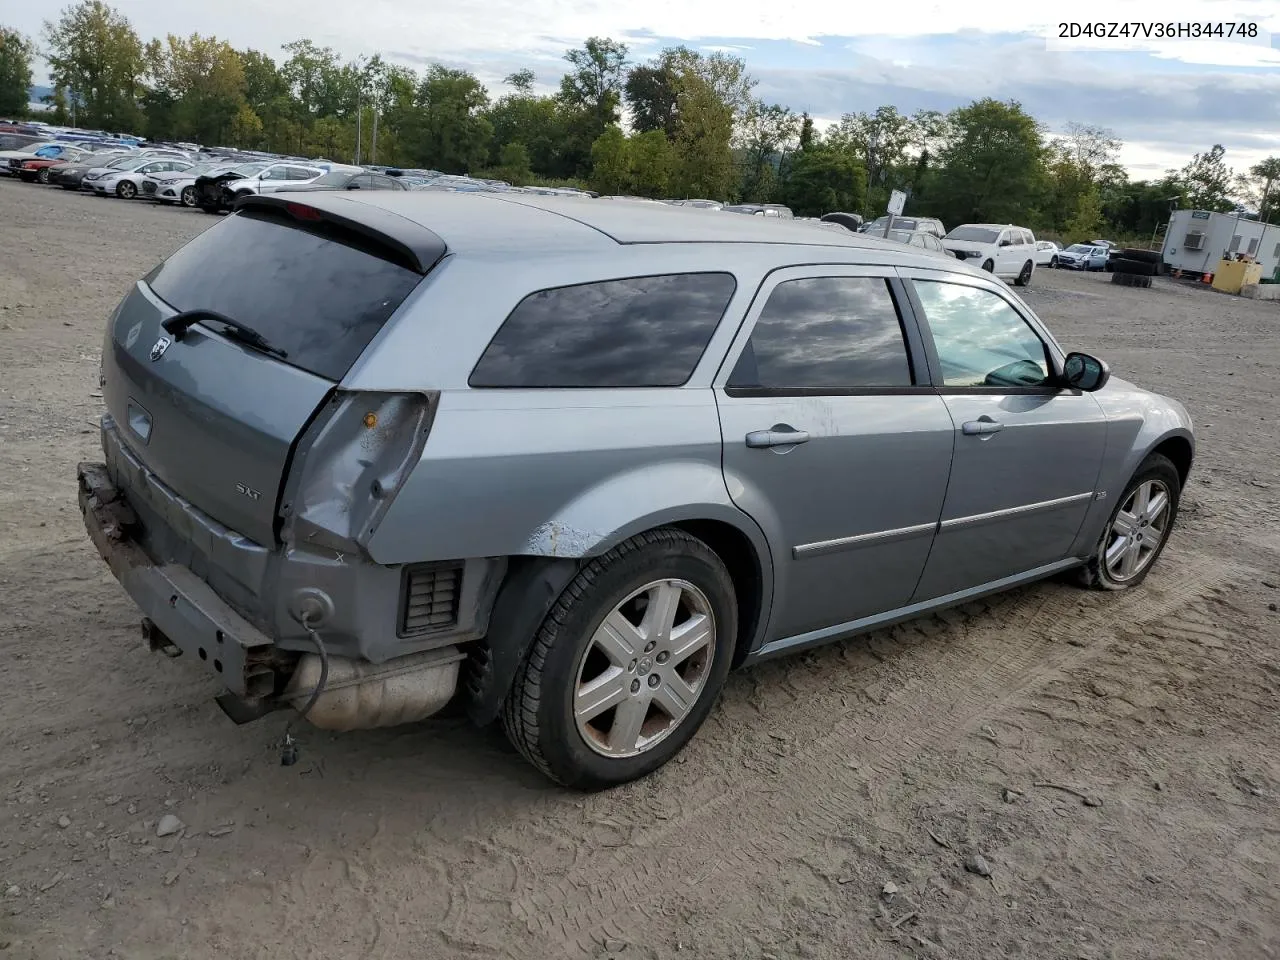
[(429, 598)]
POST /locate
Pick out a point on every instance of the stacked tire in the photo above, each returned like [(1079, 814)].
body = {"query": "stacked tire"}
[(1131, 279), (1142, 263)]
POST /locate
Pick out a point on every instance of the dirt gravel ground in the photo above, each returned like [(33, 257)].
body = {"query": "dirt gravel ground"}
[(827, 809)]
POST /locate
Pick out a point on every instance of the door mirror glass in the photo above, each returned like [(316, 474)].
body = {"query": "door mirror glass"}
[(1083, 372), (1006, 242)]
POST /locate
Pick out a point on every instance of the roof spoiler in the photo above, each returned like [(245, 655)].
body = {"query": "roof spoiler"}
[(412, 244)]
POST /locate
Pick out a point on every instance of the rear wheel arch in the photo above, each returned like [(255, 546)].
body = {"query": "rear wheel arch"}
[(739, 555), (533, 584)]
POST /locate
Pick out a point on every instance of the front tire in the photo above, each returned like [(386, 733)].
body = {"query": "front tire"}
[(188, 196), (1138, 529), (43, 175), (628, 663), (989, 266)]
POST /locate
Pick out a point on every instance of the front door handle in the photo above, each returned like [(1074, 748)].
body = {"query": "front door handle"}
[(981, 426), (779, 435)]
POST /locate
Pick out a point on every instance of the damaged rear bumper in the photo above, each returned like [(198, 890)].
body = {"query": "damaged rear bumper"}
[(179, 605)]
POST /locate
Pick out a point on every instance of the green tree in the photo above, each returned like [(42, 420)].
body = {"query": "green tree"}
[(447, 130), (766, 129), (824, 178), (521, 81), (652, 163), (651, 92), (1261, 187), (713, 93), (1086, 220), (590, 94), (16, 54), (204, 81), (1208, 181), (883, 140), (611, 162), (513, 165), (992, 166), (536, 122), (94, 53)]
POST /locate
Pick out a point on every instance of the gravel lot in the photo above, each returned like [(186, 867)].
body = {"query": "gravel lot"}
[(826, 810)]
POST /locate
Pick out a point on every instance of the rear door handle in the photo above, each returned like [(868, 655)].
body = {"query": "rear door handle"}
[(779, 435), (976, 428)]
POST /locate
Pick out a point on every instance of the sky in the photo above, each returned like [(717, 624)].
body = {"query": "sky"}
[(1167, 99)]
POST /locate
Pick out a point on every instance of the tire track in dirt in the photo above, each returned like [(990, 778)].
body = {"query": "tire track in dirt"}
[(1027, 638)]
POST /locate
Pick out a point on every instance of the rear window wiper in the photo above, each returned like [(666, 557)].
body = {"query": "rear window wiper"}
[(179, 323)]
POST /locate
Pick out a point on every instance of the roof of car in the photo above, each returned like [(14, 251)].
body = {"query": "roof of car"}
[(477, 220)]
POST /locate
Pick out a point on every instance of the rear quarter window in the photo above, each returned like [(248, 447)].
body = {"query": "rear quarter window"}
[(638, 332), (316, 294)]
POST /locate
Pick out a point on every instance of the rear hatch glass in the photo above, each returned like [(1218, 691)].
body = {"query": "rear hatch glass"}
[(214, 412), (317, 296)]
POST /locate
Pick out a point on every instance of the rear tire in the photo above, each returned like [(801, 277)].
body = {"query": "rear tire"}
[(573, 655), (1024, 275), (1125, 538), (43, 175), (1053, 263)]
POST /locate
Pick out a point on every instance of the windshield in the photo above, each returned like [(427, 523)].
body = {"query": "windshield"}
[(335, 179), (974, 234), (1080, 248), (198, 170), (124, 163)]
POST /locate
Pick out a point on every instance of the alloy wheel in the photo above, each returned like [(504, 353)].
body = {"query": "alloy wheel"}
[(644, 668), (188, 196), (1138, 530), (1024, 277), (43, 175), (126, 190)]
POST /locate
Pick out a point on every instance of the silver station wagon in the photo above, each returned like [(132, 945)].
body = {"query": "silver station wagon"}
[(567, 462)]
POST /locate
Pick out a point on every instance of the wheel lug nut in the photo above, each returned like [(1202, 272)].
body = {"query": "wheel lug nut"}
[(663, 657), (648, 647), (653, 680), (635, 686), (632, 668)]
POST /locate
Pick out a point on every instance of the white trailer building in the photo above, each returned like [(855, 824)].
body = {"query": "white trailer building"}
[(1197, 239)]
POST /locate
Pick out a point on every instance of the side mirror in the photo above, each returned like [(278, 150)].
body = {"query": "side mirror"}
[(1083, 372), (1006, 243)]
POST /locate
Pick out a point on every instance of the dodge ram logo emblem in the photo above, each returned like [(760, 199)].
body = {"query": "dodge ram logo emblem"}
[(159, 347)]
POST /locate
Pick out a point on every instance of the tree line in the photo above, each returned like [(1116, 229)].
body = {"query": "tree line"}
[(682, 124)]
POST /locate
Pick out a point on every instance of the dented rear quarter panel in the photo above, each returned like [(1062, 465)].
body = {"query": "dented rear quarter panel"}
[(557, 473)]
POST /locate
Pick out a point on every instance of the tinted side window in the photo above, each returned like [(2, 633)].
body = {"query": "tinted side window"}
[(826, 332), (312, 295), (981, 340), (639, 332)]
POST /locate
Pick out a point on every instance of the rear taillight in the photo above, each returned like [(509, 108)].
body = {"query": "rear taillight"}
[(349, 465)]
